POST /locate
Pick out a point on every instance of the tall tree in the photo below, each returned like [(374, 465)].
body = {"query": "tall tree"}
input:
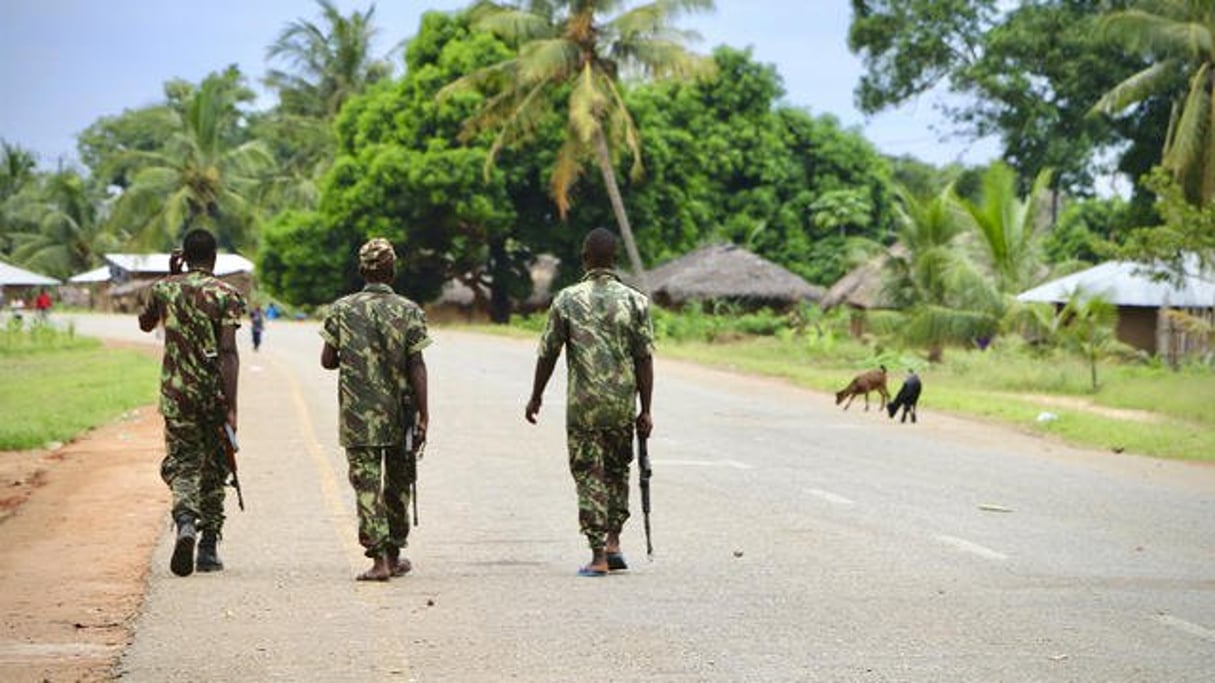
[(572, 50), (1178, 37), (402, 173), (1027, 72), (331, 61), (327, 62), (204, 175), (727, 161)]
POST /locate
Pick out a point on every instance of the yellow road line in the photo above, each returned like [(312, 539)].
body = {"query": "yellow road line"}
[(344, 524)]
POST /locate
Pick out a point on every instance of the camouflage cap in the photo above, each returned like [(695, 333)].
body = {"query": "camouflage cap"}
[(376, 253)]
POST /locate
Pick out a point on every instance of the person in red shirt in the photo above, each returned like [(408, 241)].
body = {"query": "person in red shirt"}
[(43, 304)]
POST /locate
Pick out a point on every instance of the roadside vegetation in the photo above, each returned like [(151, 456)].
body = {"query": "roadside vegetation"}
[(1140, 406), (56, 385)]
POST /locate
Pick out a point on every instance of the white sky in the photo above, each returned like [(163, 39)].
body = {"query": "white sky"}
[(64, 63)]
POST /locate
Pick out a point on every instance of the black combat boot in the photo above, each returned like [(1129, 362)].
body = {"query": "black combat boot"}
[(182, 563), (208, 557)]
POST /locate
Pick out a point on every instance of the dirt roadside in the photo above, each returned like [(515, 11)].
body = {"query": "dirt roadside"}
[(77, 528)]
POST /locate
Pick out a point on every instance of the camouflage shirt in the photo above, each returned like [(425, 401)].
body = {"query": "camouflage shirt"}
[(193, 306), (374, 331), (604, 325)]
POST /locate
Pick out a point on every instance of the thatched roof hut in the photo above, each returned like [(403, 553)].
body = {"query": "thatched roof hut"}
[(863, 286), (860, 287), (731, 273)]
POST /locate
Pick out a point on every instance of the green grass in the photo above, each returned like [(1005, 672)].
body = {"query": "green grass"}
[(55, 387), (1011, 386)]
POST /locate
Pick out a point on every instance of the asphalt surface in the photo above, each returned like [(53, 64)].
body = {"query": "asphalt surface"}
[(794, 542)]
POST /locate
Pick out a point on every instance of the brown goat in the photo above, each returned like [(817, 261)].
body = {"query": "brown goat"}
[(873, 380)]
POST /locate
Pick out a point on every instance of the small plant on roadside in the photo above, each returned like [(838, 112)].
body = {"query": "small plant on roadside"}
[(22, 338)]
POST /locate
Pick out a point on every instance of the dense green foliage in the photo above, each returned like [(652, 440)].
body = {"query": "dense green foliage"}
[(475, 158)]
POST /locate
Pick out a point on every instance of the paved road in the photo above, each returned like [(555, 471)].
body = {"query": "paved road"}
[(794, 543)]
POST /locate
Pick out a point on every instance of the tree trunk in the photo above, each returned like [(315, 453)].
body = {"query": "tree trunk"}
[(499, 287), (604, 157)]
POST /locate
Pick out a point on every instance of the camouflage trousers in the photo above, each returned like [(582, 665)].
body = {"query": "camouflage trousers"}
[(193, 468), (380, 477), (599, 461)]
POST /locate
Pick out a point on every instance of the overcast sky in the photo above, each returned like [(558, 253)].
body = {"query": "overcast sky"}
[(64, 63)]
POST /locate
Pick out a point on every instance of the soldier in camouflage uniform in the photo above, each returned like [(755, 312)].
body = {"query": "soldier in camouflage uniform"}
[(605, 328), (200, 314), (376, 338)]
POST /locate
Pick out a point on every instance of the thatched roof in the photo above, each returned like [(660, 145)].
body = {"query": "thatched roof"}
[(726, 271), (862, 287)]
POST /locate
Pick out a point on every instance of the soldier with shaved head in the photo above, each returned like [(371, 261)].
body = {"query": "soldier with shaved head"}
[(200, 314), (375, 339), (605, 328)]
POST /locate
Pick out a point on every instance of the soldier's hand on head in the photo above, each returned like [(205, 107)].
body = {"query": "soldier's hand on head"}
[(533, 407), (645, 425), (177, 260)]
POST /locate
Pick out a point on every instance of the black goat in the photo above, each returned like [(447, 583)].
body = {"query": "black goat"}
[(907, 398)]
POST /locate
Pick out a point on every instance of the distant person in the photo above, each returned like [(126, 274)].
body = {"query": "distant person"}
[(257, 322), (42, 304), (200, 314), (272, 312), (375, 339), (606, 330)]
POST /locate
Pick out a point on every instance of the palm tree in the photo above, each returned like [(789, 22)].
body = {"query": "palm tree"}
[(1178, 36), (16, 169), (16, 175), (69, 235), (1006, 226), (929, 274), (1087, 324), (332, 62), (202, 177), (571, 49)]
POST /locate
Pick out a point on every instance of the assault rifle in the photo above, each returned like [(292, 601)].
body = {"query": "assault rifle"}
[(411, 469), (643, 479), (228, 447)]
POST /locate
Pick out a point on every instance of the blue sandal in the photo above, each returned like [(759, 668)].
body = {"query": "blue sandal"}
[(591, 573)]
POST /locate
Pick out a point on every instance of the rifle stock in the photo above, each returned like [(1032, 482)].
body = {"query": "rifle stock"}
[(229, 446)]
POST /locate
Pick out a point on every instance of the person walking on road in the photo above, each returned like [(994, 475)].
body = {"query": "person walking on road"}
[(606, 330), (375, 339), (257, 323), (198, 378)]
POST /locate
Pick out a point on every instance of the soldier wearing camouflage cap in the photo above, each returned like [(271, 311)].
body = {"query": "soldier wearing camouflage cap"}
[(198, 378), (605, 328), (375, 339)]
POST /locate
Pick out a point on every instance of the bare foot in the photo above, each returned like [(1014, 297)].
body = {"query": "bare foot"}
[(379, 571), (400, 567)]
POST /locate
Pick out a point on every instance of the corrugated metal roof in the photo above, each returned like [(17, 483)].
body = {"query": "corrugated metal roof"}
[(14, 276), (101, 274), (225, 264), (1128, 283)]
